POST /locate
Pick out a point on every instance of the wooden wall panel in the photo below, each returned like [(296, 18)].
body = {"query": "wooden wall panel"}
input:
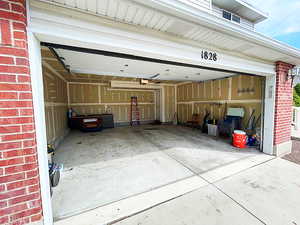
[(225, 88), (84, 93), (246, 87), (184, 112), (60, 121), (49, 123), (75, 93), (212, 96), (121, 112), (170, 107), (56, 99), (100, 98), (123, 96), (200, 94), (89, 109), (90, 93)]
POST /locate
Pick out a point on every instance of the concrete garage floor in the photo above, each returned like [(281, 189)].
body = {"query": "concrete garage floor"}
[(105, 167)]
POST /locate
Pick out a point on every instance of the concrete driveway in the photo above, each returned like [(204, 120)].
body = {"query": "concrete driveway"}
[(266, 191), (265, 194)]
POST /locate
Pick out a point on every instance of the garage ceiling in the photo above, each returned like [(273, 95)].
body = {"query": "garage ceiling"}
[(87, 63)]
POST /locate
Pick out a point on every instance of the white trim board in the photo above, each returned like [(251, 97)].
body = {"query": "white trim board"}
[(40, 128), (269, 111)]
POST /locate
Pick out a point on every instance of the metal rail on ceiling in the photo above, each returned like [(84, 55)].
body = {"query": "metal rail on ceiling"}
[(59, 59)]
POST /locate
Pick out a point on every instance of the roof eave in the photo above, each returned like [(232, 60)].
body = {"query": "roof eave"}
[(262, 15), (187, 12)]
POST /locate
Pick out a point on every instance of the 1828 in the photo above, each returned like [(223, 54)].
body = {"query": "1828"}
[(209, 55)]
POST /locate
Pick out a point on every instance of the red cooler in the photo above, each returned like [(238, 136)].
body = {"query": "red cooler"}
[(239, 139)]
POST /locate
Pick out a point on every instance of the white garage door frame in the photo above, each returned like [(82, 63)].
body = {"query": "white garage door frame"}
[(53, 28)]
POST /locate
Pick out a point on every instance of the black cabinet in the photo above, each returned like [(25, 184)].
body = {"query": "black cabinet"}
[(107, 120)]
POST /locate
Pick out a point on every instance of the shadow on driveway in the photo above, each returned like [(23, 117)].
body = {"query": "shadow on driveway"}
[(294, 156)]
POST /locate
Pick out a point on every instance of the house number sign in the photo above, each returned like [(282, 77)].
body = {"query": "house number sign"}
[(207, 55)]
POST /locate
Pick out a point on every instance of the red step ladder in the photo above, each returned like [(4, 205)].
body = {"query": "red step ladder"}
[(135, 113)]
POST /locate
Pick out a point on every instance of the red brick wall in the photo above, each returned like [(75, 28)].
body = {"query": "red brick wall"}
[(283, 104), (20, 199)]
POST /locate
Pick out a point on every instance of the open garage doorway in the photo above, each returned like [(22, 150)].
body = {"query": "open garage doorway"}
[(182, 129)]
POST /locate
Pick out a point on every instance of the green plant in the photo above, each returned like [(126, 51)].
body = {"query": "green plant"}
[(297, 89), (296, 95)]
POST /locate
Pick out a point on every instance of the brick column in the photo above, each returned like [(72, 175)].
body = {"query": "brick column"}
[(20, 199), (283, 110)]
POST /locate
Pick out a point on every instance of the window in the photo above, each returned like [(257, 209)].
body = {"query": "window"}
[(226, 15), (229, 16), (236, 19)]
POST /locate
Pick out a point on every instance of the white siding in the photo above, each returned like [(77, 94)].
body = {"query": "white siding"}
[(244, 23)]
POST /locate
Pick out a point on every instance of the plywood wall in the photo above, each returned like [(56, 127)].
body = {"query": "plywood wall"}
[(56, 105), (169, 103), (216, 96), (88, 98)]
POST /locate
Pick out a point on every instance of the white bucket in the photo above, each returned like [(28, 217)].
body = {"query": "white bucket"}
[(239, 132)]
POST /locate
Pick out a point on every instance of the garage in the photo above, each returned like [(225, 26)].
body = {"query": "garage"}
[(141, 102), (140, 112), (166, 145)]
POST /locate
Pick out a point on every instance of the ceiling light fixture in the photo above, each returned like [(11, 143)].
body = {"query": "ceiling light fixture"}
[(144, 81)]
